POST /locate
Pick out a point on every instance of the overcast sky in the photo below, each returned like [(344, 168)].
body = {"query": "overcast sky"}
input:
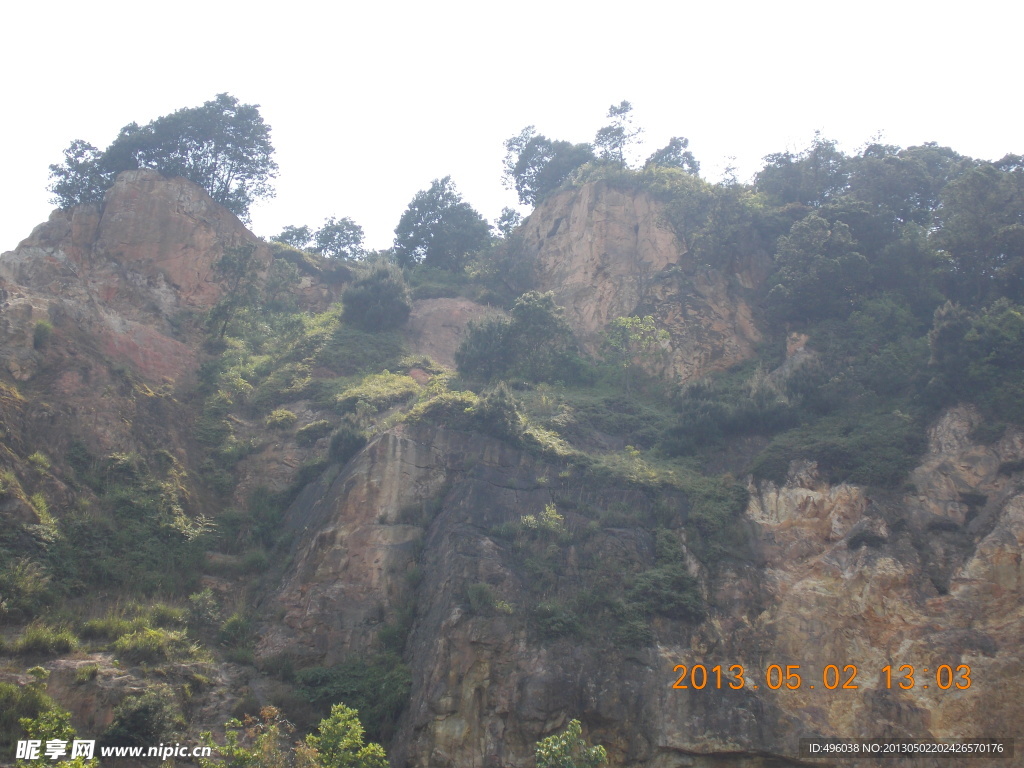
[(370, 102)]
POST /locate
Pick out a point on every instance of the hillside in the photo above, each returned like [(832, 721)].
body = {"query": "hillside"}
[(223, 488)]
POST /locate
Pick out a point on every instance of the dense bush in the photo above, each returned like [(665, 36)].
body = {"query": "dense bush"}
[(378, 687), (144, 720), (535, 344), (346, 442), (377, 302)]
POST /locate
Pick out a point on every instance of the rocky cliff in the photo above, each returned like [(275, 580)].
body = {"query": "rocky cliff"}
[(835, 575), (427, 540), (609, 253)]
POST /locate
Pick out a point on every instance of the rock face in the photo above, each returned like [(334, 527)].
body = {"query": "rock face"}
[(121, 273), (835, 576), (607, 253)]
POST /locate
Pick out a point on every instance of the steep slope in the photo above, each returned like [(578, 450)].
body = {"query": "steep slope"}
[(832, 575)]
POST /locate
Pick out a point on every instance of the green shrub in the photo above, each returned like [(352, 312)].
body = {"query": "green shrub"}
[(236, 631), (445, 409), (87, 673), (555, 620), (346, 442), (377, 302), (670, 591), (312, 432), (377, 686), (281, 419), (144, 720), (112, 626), (18, 702), (496, 414), (41, 333), (381, 390), (44, 639), (535, 344), (151, 646), (25, 586), (481, 598), (40, 462), (203, 610)]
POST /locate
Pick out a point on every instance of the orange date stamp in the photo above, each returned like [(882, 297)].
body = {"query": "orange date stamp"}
[(831, 677)]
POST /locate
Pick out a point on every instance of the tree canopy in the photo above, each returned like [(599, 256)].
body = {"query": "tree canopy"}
[(439, 229), (223, 146)]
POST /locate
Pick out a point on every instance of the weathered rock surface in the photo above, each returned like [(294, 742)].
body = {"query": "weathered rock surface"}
[(436, 327), (120, 275), (838, 576), (607, 253)]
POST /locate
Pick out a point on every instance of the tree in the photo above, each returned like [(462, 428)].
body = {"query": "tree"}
[(507, 222), (223, 146), (339, 239), (535, 343), (237, 270), (818, 273), (535, 166), (630, 338), (569, 750), (296, 237), (338, 742), (378, 301), (675, 155), (439, 229), (812, 178), (612, 140)]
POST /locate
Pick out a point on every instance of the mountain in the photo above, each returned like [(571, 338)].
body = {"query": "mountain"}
[(297, 511)]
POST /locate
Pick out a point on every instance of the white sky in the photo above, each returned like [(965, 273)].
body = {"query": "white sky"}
[(370, 102)]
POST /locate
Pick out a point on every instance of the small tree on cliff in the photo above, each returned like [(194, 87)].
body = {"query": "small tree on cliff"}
[(569, 750), (223, 146), (237, 271)]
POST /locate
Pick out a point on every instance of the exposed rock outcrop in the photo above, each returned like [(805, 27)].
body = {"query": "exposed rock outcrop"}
[(120, 275), (607, 253), (838, 576)]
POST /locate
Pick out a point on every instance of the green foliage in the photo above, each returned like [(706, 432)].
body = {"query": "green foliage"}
[(237, 269), (339, 239), (17, 703), (203, 610), (378, 687), (346, 442), (43, 639), (439, 229), (535, 344), (536, 166), (257, 742), (52, 724), (313, 431), (629, 339), (555, 620), (481, 598), (339, 742), (379, 301), (979, 356), (223, 146), (144, 720), (569, 750), (41, 333), (152, 646), (548, 523), (379, 391), (496, 414), (613, 140), (675, 154), (818, 272), (25, 587), (281, 418)]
